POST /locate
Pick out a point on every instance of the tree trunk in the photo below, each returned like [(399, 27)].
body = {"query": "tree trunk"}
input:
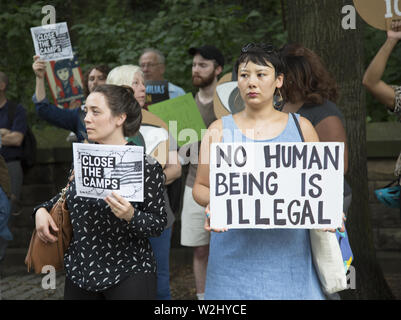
[(317, 25)]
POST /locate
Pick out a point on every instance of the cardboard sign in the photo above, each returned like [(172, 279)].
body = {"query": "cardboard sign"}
[(156, 91), (276, 185), (102, 169), (379, 13), (186, 121), (65, 82), (227, 99), (52, 42)]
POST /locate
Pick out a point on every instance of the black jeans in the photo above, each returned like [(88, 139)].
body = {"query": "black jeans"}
[(136, 287)]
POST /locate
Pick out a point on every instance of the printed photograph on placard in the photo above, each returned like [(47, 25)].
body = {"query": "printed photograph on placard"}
[(65, 82)]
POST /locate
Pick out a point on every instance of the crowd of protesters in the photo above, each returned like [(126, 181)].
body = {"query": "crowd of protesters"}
[(287, 95)]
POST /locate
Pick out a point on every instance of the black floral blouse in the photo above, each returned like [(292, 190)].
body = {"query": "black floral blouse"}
[(105, 249)]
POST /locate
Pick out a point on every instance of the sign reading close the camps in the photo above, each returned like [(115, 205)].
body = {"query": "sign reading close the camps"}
[(52, 42), (276, 185), (102, 169)]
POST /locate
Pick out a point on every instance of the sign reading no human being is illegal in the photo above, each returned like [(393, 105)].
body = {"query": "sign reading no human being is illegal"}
[(52, 42), (276, 185), (101, 169)]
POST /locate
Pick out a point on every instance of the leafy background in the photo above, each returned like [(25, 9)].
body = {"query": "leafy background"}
[(115, 32)]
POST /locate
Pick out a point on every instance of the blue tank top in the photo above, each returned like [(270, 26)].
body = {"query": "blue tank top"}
[(260, 264)]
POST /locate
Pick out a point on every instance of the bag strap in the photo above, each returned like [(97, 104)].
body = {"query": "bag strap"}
[(298, 127), (64, 190), (394, 182)]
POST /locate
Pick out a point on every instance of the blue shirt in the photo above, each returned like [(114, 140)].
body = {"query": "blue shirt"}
[(258, 264), (19, 124), (68, 119), (175, 91)]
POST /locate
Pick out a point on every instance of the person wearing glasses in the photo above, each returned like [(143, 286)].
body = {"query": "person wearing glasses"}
[(257, 264), (152, 63)]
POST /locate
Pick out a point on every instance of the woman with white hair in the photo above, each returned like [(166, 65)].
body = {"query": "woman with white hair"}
[(155, 139)]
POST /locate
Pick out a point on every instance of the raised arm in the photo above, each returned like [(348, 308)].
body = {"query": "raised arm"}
[(372, 79), (39, 68)]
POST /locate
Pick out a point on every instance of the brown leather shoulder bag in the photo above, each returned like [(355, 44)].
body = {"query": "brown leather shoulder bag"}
[(42, 254)]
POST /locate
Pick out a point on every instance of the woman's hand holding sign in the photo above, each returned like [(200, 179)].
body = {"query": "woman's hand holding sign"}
[(121, 207), (342, 229), (207, 221), (395, 31), (39, 67)]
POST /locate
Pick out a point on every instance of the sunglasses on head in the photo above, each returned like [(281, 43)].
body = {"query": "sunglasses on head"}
[(266, 47)]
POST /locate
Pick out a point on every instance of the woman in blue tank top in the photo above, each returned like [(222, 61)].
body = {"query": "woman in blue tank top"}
[(255, 263)]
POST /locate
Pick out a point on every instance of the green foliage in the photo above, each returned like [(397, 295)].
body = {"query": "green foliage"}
[(173, 29), (16, 58), (116, 31)]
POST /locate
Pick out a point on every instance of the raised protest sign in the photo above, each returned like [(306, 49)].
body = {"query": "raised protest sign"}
[(65, 82), (183, 116), (156, 91), (52, 42), (379, 13), (102, 169), (276, 185)]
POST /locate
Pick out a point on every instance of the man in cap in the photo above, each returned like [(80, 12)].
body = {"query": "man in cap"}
[(207, 65)]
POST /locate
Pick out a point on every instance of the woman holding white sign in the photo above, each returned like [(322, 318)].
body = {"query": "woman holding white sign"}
[(154, 139), (256, 263), (110, 256)]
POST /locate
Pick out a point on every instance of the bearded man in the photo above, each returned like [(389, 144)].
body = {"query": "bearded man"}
[(207, 65)]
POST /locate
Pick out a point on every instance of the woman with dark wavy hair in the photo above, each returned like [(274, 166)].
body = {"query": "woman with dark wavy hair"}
[(95, 76), (306, 78), (110, 256), (311, 91)]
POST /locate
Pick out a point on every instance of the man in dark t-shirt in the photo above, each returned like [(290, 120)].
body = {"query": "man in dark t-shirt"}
[(207, 64), (12, 134)]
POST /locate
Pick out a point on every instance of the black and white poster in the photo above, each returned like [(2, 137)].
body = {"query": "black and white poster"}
[(52, 42), (276, 185), (102, 169)]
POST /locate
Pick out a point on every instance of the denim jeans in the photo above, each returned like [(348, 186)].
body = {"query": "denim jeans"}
[(5, 234), (161, 250)]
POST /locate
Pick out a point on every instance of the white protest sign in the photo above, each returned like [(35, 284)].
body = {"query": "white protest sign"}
[(101, 169), (276, 185), (52, 42)]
